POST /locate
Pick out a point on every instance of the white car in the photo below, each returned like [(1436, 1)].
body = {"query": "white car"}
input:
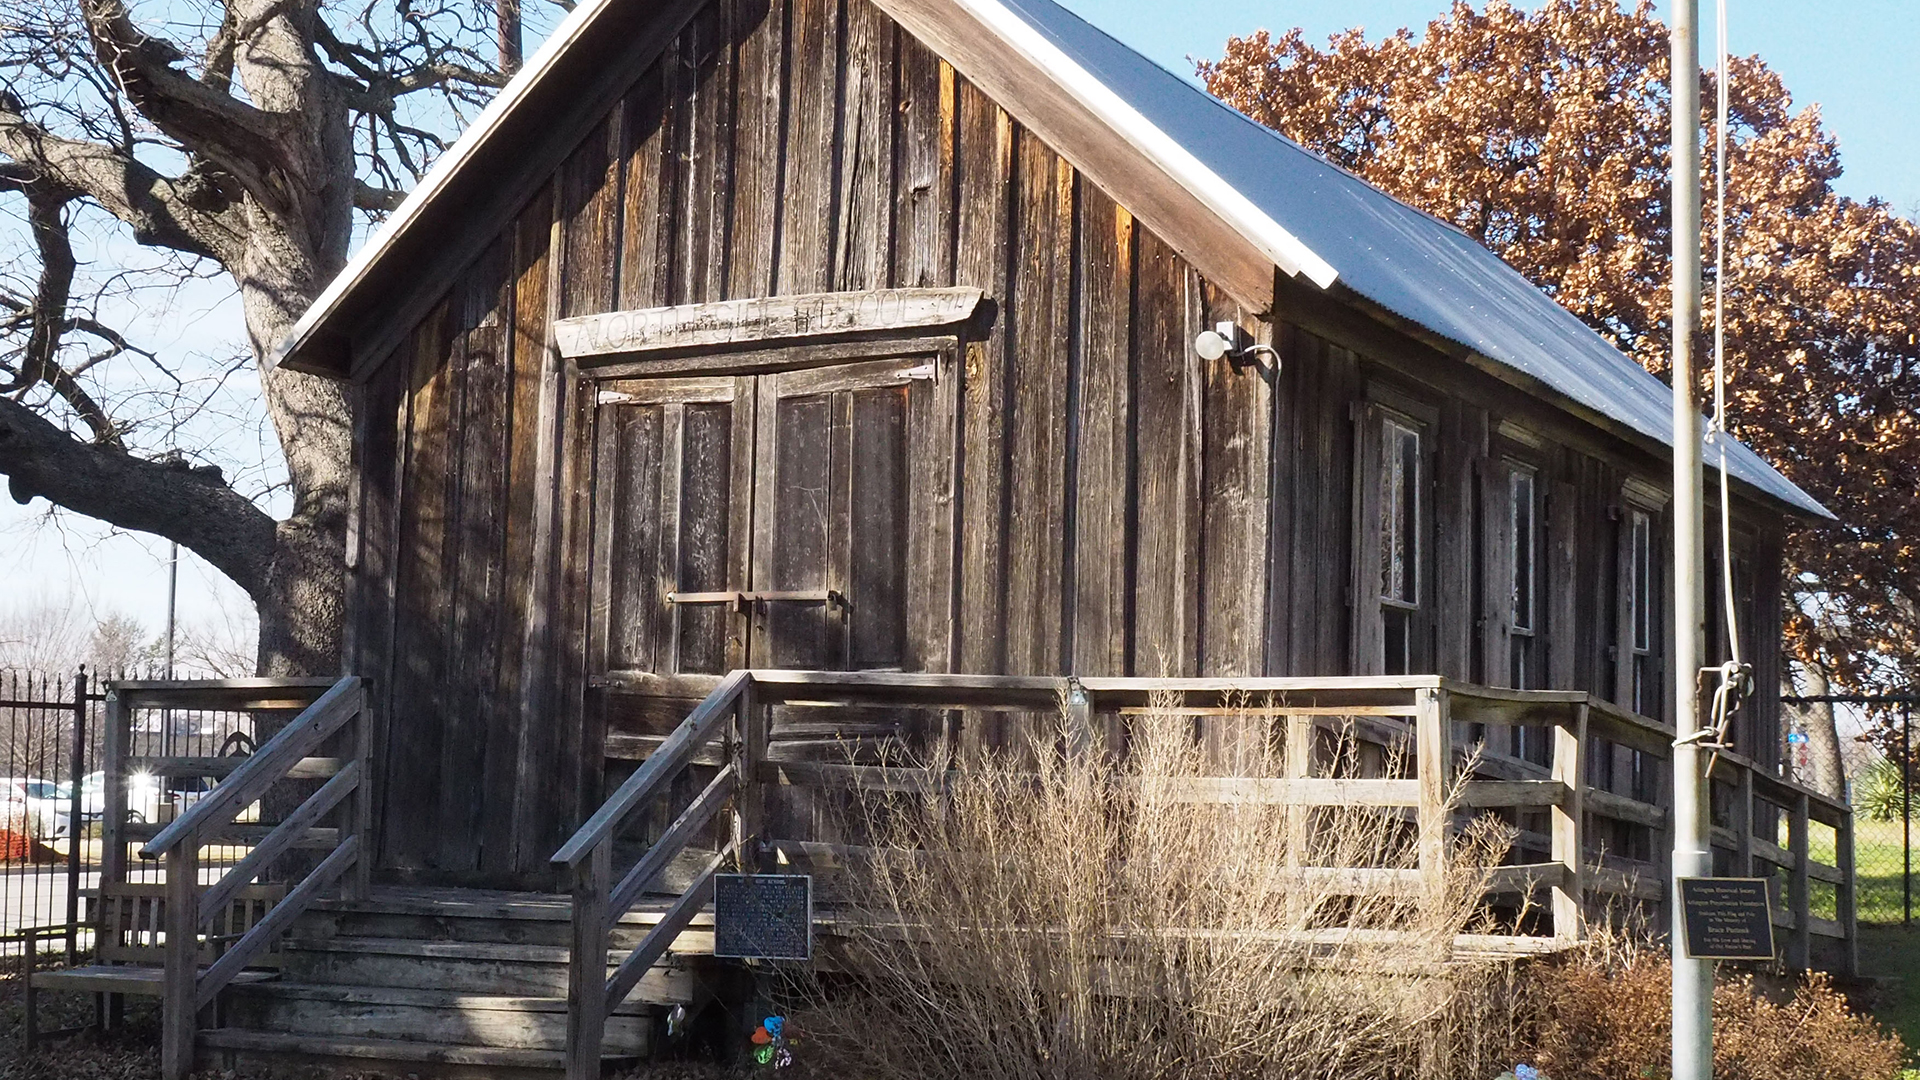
[(149, 797), (38, 805)]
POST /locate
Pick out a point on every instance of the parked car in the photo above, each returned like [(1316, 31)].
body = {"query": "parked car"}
[(36, 804), (149, 797)]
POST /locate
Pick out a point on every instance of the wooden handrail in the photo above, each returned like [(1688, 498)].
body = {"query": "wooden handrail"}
[(1428, 708), (701, 724), (186, 988), (268, 765)]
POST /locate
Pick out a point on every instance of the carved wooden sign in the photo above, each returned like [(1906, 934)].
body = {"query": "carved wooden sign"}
[(774, 318)]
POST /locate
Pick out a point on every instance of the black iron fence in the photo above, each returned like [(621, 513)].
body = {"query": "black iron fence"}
[(1880, 786), (48, 829), (53, 794)]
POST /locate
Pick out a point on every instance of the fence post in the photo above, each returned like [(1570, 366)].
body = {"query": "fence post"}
[(359, 883), (1846, 895), (1742, 822), (76, 814), (587, 963), (1569, 740), (113, 804), (1433, 744), (750, 812), (179, 1007), (1799, 941)]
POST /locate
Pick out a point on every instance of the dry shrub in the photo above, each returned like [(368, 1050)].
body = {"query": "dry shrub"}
[(1607, 1017), (1060, 916)]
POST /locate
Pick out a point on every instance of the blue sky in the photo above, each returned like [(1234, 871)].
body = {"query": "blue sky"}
[(1855, 60)]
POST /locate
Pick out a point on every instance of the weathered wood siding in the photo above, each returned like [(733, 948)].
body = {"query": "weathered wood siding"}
[(1119, 506)]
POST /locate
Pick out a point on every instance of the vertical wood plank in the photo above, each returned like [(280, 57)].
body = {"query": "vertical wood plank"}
[(413, 772), (1561, 584), (706, 62), (114, 743), (648, 163), (933, 448), (1433, 749), (179, 1006), (1103, 488), (590, 210), (384, 401), (1800, 937), (986, 169), (866, 181), (1453, 557), (1847, 896), (1037, 414), (923, 149), (587, 964), (757, 146), (1569, 819), (1234, 475), (1166, 436), (807, 178)]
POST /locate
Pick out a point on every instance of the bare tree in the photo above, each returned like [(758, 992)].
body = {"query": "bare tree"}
[(244, 138)]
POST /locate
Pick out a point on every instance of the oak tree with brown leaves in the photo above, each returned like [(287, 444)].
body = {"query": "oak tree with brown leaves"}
[(1545, 136)]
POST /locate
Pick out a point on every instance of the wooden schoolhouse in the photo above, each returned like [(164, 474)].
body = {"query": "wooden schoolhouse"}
[(942, 353)]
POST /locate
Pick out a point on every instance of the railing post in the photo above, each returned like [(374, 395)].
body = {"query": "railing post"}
[(1299, 766), (1799, 940), (1433, 745), (1742, 815), (1846, 896), (587, 963), (179, 1010), (360, 879), (750, 811), (76, 814), (1569, 743), (113, 801)]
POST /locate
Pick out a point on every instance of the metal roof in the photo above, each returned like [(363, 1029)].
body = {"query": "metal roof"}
[(1408, 262), (1313, 219)]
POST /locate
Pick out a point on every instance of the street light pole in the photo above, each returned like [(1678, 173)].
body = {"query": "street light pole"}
[(1692, 855)]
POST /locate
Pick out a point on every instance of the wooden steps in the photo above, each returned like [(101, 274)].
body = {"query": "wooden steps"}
[(438, 982), (119, 979)]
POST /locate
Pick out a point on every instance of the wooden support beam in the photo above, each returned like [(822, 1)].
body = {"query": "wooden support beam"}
[(1846, 897), (1799, 947), (180, 1001), (587, 963), (1569, 894), (763, 320), (1433, 745)]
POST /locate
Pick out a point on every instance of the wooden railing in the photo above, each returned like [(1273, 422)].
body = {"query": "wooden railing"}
[(339, 715), (1436, 726)]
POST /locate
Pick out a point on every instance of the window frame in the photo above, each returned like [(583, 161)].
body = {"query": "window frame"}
[(1373, 608)]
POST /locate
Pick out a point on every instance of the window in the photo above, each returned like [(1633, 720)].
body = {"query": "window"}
[(1643, 617), (1400, 548), (1523, 604)]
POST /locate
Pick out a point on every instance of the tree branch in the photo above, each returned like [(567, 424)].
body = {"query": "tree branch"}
[(163, 212), (244, 140), (378, 199), (192, 507)]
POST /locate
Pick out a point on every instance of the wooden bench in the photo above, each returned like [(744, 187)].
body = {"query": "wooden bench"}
[(130, 921)]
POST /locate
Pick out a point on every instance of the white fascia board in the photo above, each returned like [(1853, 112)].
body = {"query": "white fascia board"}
[(571, 29), (1225, 200)]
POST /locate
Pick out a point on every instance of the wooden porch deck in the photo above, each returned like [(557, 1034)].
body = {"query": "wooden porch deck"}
[(332, 967)]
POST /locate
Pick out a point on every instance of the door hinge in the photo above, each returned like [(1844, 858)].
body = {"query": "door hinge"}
[(927, 372)]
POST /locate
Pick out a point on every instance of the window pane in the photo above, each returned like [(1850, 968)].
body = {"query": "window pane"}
[(1399, 512), (1520, 489), (1642, 582)]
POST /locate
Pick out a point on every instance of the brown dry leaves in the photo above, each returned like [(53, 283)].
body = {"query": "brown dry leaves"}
[(1545, 137)]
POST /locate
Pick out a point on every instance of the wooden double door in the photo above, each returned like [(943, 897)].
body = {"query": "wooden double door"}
[(798, 518)]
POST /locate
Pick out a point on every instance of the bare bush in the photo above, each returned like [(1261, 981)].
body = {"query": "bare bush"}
[(1059, 916)]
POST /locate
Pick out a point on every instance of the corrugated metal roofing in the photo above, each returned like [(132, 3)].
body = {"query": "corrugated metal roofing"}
[(1406, 261)]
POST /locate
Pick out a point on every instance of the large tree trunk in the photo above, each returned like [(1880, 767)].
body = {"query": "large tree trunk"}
[(1825, 769), (298, 244)]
